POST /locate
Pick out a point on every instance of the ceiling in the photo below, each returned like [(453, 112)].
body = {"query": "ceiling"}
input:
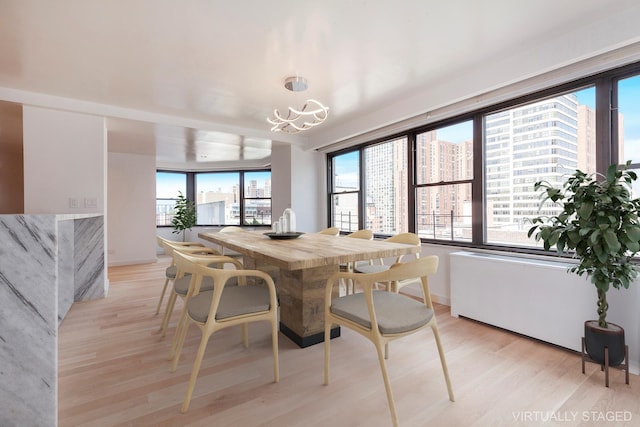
[(194, 81)]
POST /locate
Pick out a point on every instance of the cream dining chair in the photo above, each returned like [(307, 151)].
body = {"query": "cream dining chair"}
[(368, 267), (332, 231), (225, 306), (170, 272), (231, 229), (186, 287), (348, 267), (181, 281), (382, 316)]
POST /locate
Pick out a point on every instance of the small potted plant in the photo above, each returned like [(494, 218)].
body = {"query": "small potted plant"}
[(599, 223), (184, 217)]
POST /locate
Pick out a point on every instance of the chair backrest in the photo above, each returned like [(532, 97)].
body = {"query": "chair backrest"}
[(361, 234), (187, 263), (230, 229), (162, 242), (171, 247), (407, 239), (198, 267), (419, 267), (332, 231)]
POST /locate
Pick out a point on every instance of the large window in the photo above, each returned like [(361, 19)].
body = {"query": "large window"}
[(628, 124), (444, 172), (218, 198), (345, 191), (469, 180), (221, 198), (546, 140), (386, 187), (168, 186), (257, 198)]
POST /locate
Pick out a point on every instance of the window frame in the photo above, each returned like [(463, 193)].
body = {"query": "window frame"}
[(191, 193), (606, 134)]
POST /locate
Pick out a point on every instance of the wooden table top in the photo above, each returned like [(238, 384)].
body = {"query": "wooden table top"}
[(307, 251)]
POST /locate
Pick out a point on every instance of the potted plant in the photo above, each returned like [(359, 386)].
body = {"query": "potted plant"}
[(599, 223), (184, 216)]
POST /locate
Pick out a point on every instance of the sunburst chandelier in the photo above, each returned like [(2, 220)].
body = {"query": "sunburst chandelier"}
[(310, 115)]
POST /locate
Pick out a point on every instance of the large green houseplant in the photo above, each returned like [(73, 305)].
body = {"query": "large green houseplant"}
[(184, 217), (599, 225)]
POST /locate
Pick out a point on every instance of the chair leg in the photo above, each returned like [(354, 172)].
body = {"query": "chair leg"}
[(327, 338), (443, 361), (387, 384), (167, 314), (180, 344), (164, 289), (244, 332), (195, 371), (386, 350), (274, 344), (182, 323)]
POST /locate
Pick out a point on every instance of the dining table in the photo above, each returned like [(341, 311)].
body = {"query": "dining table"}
[(301, 264)]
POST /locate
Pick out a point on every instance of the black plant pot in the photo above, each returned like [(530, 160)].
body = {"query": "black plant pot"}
[(597, 338)]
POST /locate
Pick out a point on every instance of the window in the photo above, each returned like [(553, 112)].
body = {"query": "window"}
[(218, 198), (221, 198), (257, 198), (444, 171), (168, 185), (386, 187), (345, 191), (469, 180), (543, 140), (628, 124)]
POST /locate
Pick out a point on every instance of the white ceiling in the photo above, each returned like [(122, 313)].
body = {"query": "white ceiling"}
[(194, 80)]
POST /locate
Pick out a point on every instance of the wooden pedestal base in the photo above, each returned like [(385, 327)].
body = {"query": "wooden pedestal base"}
[(605, 366)]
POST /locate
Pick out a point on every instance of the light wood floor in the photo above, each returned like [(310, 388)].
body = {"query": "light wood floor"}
[(113, 372)]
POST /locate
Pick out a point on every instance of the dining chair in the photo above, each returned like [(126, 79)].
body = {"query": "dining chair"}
[(348, 267), (332, 231), (186, 288), (226, 306), (367, 267), (382, 316), (182, 280), (170, 272), (230, 229)]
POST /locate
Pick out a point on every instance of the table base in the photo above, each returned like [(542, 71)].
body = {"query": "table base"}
[(308, 340)]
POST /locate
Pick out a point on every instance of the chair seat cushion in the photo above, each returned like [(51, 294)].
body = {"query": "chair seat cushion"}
[(234, 301), (395, 313), (181, 286), (368, 268), (171, 272)]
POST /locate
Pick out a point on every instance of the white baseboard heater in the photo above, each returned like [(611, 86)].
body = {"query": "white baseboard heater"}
[(539, 299), (536, 298)]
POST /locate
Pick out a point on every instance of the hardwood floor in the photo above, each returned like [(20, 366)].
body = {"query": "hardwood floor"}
[(113, 371)]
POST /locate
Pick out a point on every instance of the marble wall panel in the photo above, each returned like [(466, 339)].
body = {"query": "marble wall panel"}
[(28, 321), (66, 286), (90, 282)]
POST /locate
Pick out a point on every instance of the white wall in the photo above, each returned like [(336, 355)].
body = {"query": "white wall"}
[(131, 210), (280, 179), (308, 189), (297, 182), (64, 158)]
